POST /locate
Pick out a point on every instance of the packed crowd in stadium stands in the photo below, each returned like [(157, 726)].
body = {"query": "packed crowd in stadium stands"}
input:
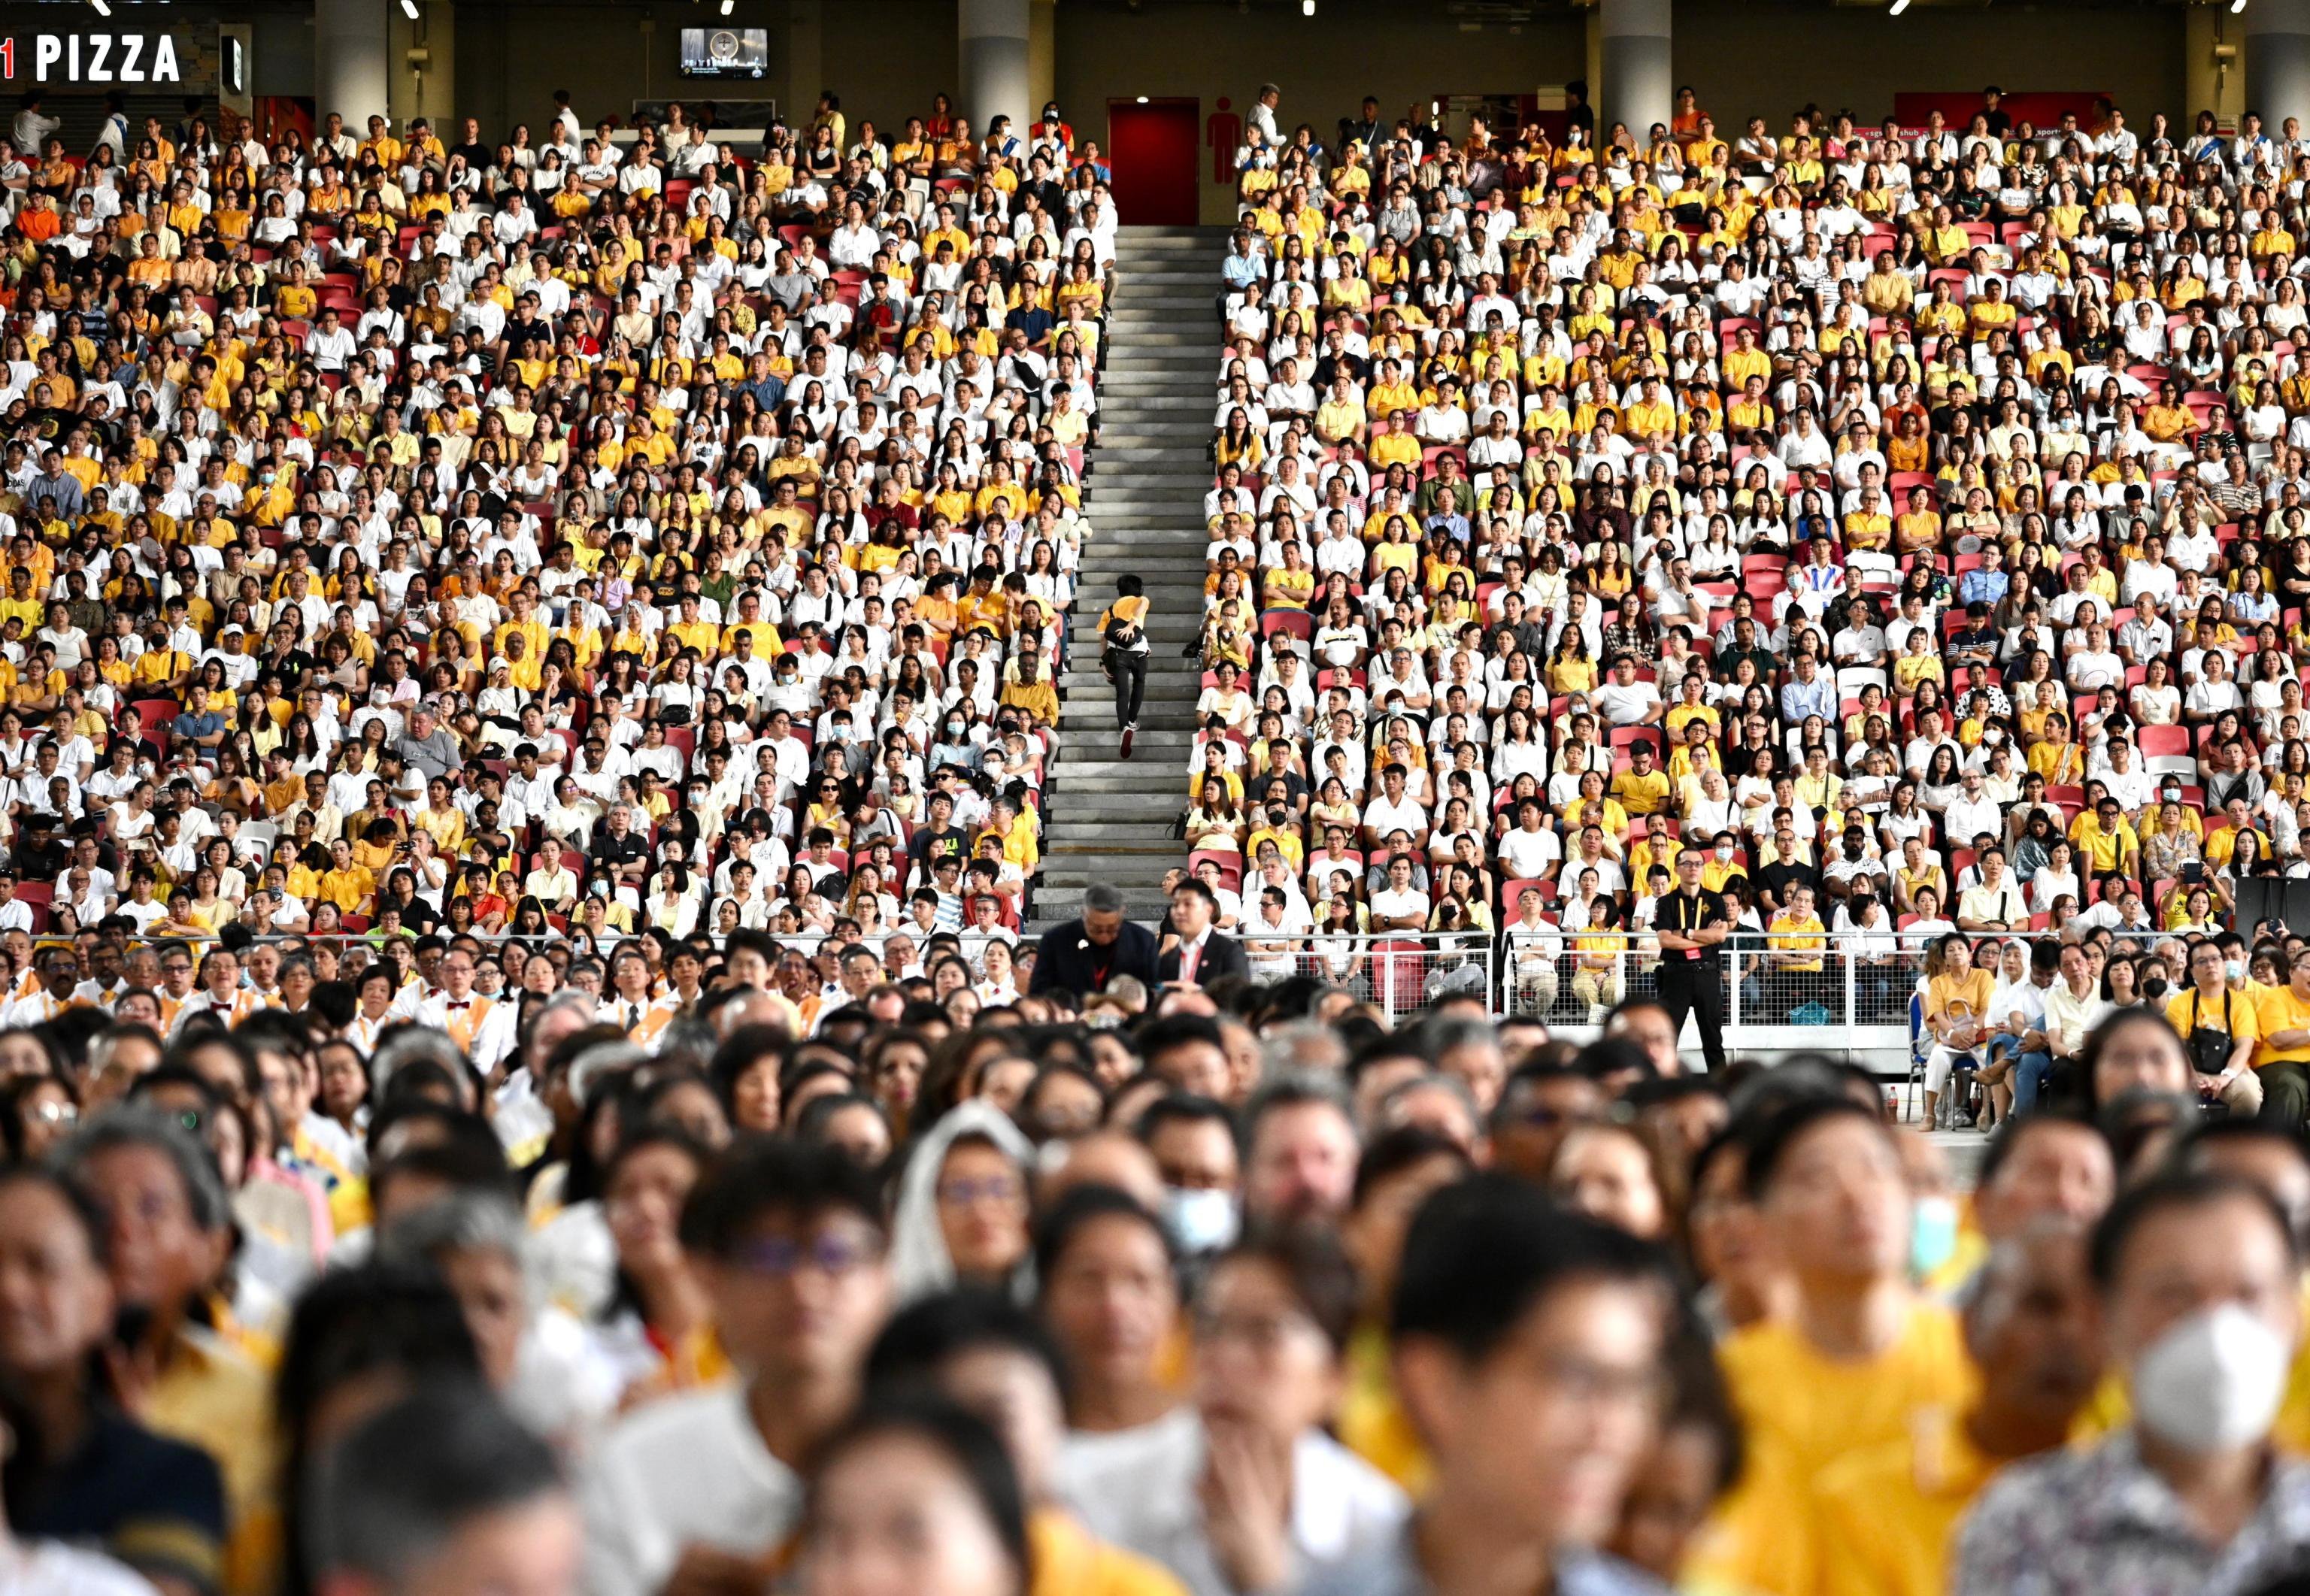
[(1907, 522), (530, 681)]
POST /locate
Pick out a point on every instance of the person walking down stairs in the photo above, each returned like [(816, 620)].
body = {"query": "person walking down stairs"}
[(1125, 628)]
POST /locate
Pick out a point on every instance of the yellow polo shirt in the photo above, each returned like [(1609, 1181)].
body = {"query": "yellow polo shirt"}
[(1888, 1514)]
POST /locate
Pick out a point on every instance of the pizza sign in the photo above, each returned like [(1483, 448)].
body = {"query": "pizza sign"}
[(76, 59)]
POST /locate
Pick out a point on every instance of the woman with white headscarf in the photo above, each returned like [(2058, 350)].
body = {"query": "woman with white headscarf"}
[(963, 1205)]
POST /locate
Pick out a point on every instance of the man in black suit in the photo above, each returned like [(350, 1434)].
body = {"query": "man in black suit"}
[(1083, 955), (1203, 953)]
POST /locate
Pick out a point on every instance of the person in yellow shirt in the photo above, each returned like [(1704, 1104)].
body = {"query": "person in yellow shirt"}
[(1860, 1360), (351, 887), (1643, 788), (197, 1386), (981, 605), (1396, 446), (2219, 1029), (2106, 840), (2281, 1054), (1793, 942), (1887, 1513), (1030, 689)]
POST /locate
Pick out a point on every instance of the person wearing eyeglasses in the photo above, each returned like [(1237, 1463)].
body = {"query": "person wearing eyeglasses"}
[(702, 1489)]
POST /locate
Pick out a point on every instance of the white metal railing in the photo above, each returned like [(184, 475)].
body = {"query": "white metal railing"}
[(1776, 998)]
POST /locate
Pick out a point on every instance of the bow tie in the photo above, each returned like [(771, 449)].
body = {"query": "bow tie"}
[(466, 1004)]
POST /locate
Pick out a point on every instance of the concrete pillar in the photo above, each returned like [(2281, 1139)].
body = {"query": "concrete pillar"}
[(1042, 55), (1640, 86), (352, 61), (422, 56), (805, 77), (2212, 77), (2278, 61), (994, 35)]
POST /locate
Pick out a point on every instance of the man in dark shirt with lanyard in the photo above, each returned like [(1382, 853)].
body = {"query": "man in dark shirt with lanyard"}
[(1691, 922)]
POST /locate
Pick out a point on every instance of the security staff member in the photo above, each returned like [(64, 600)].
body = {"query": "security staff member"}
[(1691, 923)]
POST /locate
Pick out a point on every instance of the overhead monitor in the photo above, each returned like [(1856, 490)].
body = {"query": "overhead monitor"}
[(725, 52)]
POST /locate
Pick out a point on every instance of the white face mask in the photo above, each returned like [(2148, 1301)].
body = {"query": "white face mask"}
[(2214, 1381), (1202, 1219)]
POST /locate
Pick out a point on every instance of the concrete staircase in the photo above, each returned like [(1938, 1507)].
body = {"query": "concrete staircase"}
[(1109, 819)]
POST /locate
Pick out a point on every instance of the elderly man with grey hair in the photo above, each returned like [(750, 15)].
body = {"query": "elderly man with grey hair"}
[(548, 1368), (1083, 955), (171, 1224), (428, 746)]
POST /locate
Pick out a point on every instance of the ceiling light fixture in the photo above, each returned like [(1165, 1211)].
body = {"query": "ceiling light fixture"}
[(1899, 8)]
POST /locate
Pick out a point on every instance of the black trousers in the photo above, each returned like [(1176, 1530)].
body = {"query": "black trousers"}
[(1696, 988), (1130, 685)]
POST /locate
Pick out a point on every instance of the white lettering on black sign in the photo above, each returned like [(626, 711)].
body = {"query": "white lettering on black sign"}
[(73, 58)]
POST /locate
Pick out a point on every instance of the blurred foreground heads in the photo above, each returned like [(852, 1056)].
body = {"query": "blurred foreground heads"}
[(443, 1491)]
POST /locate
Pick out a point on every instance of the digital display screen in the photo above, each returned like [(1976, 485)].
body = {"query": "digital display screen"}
[(725, 52)]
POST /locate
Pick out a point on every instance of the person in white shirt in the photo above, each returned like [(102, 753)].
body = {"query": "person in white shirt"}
[(1533, 943), (1533, 848), (1974, 813), (32, 127), (1997, 902), (1626, 699), (482, 1026), (328, 345), (693, 1484), (1269, 1338), (2073, 1006), (15, 914)]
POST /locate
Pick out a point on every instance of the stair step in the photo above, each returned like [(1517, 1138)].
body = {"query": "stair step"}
[(1179, 560), (1142, 770), (1110, 818), (1182, 571), (1153, 745), (1147, 804), (1091, 853), (1094, 729)]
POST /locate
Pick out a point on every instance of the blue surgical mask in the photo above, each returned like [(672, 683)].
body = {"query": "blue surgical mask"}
[(1933, 1236)]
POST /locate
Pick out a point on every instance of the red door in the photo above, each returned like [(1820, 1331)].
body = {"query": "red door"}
[(1153, 146)]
